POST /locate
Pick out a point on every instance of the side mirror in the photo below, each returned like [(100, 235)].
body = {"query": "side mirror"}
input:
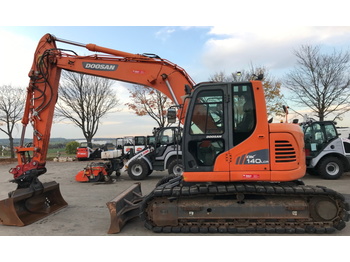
[(171, 115)]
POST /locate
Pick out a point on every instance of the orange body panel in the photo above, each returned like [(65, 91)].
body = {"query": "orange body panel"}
[(287, 152), (230, 166), (218, 176)]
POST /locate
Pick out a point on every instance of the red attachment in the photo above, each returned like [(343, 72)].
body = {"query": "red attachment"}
[(82, 176), (93, 172)]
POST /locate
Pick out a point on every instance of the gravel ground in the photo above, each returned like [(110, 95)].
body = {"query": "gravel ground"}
[(87, 213)]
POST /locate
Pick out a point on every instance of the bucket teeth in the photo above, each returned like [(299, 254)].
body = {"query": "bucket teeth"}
[(27, 205)]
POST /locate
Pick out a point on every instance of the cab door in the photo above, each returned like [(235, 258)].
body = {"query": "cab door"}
[(206, 134)]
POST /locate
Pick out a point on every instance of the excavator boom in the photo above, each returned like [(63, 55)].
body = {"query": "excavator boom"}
[(42, 94)]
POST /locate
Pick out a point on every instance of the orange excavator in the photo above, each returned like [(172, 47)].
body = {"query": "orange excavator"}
[(241, 173)]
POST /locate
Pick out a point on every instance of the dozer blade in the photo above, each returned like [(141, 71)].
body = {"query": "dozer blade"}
[(124, 207), (26, 205)]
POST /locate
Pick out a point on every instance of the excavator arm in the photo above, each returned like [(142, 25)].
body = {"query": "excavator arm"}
[(42, 93)]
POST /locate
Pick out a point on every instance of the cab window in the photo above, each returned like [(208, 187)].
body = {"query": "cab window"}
[(208, 112), (244, 117)]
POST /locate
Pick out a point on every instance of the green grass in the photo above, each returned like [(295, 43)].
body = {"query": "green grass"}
[(51, 154)]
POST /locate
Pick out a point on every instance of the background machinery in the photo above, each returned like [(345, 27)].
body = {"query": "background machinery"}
[(327, 154), (137, 158), (241, 173), (84, 152), (110, 160), (164, 154)]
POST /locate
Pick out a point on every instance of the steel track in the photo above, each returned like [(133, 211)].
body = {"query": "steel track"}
[(175, 189)]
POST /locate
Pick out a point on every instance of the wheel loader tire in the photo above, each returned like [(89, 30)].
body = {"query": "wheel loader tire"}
[(330, 168), (175, 167), (138, 169)]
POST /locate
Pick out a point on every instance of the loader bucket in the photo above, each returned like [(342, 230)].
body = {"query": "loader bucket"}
[(124, 207), (27, 205)]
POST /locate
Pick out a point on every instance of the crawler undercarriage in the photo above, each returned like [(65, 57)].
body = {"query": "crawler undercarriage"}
[(261, 207)]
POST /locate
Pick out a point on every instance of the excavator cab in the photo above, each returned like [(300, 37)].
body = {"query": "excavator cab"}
[(216, 123), (227, 137)]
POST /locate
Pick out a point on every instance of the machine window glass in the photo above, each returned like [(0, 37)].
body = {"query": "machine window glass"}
[(140, 141), (244, 121), (317, 135), (331, 132), (205, 151), (207, 117), (313, 138), (167, 136)]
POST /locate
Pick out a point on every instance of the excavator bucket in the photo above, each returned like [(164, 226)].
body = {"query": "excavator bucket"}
[(27, 205), (124, 207)]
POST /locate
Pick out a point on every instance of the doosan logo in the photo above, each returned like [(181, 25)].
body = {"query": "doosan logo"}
[(100, 66)]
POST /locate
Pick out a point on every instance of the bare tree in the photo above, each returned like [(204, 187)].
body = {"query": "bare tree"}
[(220, 77), (320, 82), (148, 101), (11, 110), (272, 87), (85, 99)]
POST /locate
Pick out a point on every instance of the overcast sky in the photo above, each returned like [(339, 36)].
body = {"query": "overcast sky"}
[(200, 50)]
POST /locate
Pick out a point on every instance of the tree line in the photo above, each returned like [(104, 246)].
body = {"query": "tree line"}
[(318, 82)]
